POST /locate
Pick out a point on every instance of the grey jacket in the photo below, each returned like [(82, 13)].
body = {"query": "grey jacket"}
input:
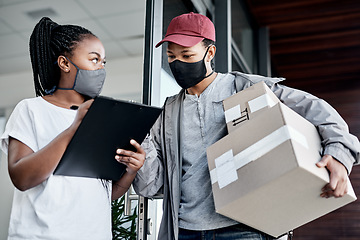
[(162, 168)]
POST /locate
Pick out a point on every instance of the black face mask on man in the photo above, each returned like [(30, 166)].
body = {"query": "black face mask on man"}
[(189, 74)]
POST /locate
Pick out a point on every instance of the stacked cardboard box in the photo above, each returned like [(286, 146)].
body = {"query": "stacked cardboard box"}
[(263, 172), (250, 103)]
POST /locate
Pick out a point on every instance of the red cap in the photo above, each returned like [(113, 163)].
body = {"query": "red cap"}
[(189, 29)]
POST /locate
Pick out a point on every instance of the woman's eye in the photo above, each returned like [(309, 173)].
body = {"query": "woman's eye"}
[(103, 63), (187, 56), (171, 57), (95, 60)]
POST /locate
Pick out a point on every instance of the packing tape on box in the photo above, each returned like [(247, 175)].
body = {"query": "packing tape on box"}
[(260, 102), (226, 165), (254, 105)]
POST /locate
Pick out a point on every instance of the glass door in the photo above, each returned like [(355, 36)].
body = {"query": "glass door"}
[(158, 82)]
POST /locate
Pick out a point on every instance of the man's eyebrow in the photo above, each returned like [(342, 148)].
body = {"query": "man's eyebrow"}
[(183, 51)]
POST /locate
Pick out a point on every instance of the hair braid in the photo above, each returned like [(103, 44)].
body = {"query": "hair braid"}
[(47, 42)]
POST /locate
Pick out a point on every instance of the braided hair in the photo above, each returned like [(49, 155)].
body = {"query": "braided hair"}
[(48, 41)]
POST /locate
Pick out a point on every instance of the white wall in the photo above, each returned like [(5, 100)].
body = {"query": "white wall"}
[(6, 189), (123, 81)]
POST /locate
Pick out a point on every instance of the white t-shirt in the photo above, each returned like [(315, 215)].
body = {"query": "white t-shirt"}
[(61, 207)]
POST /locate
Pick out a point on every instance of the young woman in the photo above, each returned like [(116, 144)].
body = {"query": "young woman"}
[(68, 66)]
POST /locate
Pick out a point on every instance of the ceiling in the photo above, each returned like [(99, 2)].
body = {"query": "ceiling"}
[(315, 44), (109, 20)]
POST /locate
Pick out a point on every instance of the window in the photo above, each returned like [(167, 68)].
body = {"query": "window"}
[(243, 40)]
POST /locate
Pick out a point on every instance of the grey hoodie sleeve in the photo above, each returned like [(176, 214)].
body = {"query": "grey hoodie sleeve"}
[(333, 130), (149, 179)]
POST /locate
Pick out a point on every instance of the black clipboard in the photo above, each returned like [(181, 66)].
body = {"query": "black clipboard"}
[(108, 125)]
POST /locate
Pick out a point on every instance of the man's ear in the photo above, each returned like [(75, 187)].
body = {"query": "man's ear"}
[(211, 53), (63, 63)]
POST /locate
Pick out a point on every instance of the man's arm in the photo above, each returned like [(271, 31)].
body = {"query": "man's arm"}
[(150, 177), (340, 148)]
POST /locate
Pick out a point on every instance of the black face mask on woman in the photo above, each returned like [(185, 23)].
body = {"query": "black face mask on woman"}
[(189, 74)]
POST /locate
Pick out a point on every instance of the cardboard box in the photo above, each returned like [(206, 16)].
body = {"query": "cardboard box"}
[(264, 174), (248, 104)]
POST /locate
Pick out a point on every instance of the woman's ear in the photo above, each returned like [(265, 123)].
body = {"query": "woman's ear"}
[(63, 63)]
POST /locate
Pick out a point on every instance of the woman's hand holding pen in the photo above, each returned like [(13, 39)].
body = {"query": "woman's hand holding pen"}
[(24, 163), (133, 160), (81, 112)]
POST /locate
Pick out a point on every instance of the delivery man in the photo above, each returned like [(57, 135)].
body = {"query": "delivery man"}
[(194, 119)]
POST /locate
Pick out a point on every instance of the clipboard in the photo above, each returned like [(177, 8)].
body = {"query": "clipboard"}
[(108, 125)]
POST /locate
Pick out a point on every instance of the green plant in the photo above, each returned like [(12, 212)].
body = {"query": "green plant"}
[(123, 227)]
